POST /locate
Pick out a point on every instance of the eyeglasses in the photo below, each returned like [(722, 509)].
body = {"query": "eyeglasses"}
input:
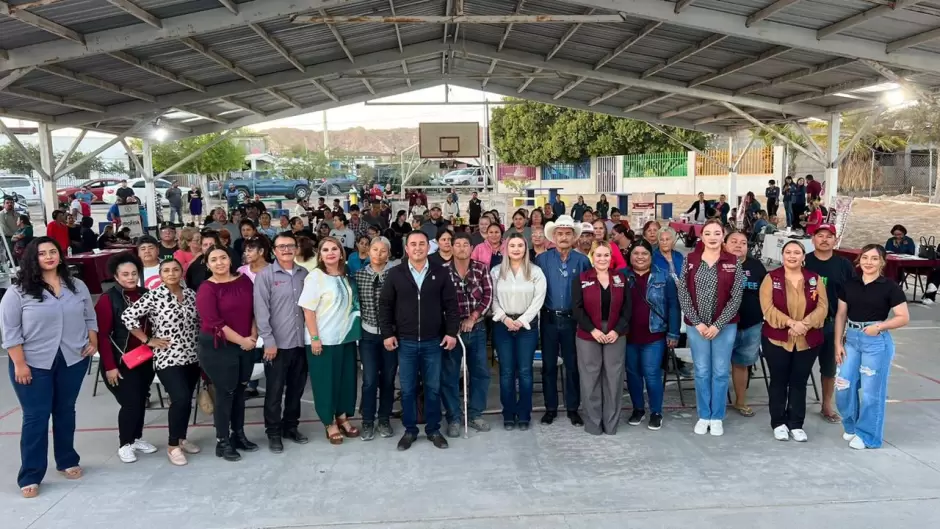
[(285, 247)]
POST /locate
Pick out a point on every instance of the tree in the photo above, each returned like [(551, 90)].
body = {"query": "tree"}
[(537, 133), (222, 157), (309, 165), (13, 161)]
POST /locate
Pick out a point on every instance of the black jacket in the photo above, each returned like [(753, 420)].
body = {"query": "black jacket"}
[(410, 315)]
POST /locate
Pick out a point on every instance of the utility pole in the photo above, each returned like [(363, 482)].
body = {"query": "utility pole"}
[(326, 137)]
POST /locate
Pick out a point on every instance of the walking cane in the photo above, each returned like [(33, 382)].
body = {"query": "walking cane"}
[(463, 370)]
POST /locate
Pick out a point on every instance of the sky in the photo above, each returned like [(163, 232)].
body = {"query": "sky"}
[(389, 117)]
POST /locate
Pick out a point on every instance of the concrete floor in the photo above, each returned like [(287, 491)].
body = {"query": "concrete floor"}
[(550, 477)]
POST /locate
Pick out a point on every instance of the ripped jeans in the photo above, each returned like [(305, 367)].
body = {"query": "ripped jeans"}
[(862, 385)]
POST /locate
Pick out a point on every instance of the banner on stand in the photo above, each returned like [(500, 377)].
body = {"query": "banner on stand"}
[(130, 218), (642, 209), (839, 215)]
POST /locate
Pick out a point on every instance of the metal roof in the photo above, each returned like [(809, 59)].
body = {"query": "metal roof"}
[(699, 64)]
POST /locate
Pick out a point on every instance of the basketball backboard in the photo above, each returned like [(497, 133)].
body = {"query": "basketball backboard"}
[(449, 140)]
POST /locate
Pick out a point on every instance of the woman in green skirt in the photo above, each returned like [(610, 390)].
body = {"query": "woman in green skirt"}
[(331, 316)]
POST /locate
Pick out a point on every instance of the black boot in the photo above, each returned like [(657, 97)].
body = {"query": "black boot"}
[(240, 442), (225, 450)]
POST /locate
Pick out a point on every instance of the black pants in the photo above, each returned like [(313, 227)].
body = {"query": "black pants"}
[(285, 377), (180, 382), (798, 209), (772, 205), (789, 371), (131, 392), (229, 368)]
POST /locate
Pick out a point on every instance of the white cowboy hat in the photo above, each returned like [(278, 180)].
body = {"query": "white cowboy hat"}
[(587, 226), (564, 221)]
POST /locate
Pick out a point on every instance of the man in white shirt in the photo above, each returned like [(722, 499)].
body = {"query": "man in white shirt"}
[(75, 208)]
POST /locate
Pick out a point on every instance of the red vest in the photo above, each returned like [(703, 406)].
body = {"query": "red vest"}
[(811, 285), (591, 289), (727, 266)]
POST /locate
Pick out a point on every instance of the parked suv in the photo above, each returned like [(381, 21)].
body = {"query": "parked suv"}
[(335, 186), (471, 176), (21, 185), (264, 184)]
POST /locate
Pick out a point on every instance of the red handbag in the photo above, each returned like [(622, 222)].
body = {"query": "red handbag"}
[(137, 356)]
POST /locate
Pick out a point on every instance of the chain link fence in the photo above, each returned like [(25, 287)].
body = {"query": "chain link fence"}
[(902, 173)]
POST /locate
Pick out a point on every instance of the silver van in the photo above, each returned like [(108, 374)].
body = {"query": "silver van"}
[(21, 185)]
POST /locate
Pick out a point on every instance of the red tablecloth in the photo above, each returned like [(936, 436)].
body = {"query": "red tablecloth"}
[(683, 227), (897, 267), (95, 267)]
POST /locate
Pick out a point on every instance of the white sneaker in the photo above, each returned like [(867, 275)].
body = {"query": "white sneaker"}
[(126, 453), (143, 447), (717, 428), (857, 443), (701, 427), (799, 435), (782, 433), (847, 436)]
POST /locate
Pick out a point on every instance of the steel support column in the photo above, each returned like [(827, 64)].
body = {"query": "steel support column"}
[(832, 168), (149, 191), (48, 196), (732, 175)]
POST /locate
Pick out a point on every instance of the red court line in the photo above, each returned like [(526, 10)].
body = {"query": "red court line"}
[(314, 421), (8, 413), (921, 375)]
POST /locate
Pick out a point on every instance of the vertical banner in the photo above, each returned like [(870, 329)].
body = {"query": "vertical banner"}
[(839, 215), (642, 209), (130, 218)]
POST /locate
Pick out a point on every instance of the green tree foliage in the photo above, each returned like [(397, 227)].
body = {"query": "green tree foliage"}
[(223, 157), (538, 133), (13, 161), (303, 164)]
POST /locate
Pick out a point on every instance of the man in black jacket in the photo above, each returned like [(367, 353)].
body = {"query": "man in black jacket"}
[(418, 315)]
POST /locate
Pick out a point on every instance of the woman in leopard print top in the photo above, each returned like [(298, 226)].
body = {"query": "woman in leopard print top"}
[(171, 311)]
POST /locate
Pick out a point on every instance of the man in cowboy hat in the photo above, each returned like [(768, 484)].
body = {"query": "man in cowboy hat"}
[(586, 240), (562, 268)]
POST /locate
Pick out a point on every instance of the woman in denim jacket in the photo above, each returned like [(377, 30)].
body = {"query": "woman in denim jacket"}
[(654, 325), (665, 258)]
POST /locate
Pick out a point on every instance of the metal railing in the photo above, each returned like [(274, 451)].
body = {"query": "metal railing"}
[(567, 171), (656, 164)]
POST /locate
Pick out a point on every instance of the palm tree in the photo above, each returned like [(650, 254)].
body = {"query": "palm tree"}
[(788, 131)]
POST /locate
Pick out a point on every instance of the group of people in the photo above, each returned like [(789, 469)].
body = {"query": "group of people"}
[(608, 303)]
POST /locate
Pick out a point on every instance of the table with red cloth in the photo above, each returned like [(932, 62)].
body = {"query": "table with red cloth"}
[(95, 266), (683, 227), (898, 267)]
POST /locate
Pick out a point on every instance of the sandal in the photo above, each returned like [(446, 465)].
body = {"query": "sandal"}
[(745, 410), (30, 491), (831, 418), (336, 438), (347, 428), (72, 473)]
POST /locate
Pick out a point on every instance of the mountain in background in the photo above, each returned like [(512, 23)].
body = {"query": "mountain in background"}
[(358, 139)]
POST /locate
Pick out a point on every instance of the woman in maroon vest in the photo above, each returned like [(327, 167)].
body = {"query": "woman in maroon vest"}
[(795, 306), (600, 303), (710, 292)]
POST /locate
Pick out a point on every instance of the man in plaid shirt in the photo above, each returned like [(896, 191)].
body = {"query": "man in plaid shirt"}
[(474, 294)]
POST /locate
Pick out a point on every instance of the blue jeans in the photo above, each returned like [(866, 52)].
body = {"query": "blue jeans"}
[(477, 371), (516, 353), (644, 364), (712, 362), (866, 367), (52, 393), (559, 333), (420, 358), (788, 209), (378, 376)]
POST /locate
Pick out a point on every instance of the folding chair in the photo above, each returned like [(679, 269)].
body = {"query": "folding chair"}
[(672, 360)]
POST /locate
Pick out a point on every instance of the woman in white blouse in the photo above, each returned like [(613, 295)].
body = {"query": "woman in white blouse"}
[(174, 326), (518, 295)]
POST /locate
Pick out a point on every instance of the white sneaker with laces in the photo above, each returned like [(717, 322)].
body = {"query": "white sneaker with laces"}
[(846, 436), (717, 428), (857, 443), (799, 435), (126, 453), (701, 427), (143, 447), (782, 433)]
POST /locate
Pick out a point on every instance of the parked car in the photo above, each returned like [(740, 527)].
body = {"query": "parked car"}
[(160, 186), (22, 185), (95, 186), (470, 176), (264, 184), (335, 186)]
